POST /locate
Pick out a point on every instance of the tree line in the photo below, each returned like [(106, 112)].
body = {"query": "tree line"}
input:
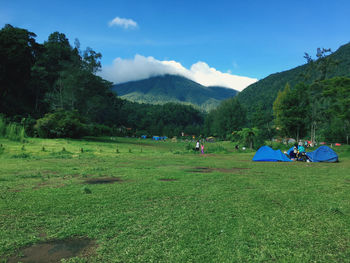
[(52, 90)]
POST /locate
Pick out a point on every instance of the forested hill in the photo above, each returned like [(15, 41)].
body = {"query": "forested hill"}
[(262, 94), (172, 88)]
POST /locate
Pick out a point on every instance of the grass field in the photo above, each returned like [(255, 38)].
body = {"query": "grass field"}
[(168, 204)]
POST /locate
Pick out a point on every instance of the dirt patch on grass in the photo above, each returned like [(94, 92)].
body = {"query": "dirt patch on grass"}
[(48, 184), (167, 179), (200, 170), (209, 170), (41, 185), (103, 180), (15, 190), (54, 251), (45, 172)]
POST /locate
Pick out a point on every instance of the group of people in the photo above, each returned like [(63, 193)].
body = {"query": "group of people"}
[(201, 146), (298, 152)]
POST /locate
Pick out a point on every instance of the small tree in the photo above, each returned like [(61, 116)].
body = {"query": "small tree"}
[(247, 136), (61, 124)]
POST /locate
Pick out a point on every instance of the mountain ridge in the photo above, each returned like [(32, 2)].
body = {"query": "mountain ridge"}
[(173, 88), (262, 94)]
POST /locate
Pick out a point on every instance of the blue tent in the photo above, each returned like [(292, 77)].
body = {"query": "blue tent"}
[(290, 150), (323, 154), (266, 154)]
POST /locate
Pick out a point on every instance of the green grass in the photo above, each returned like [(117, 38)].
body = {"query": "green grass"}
[(270, 212)]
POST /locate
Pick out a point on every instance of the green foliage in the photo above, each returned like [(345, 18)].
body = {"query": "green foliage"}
[(291, 109), (265, 91), (61, 124), (2, 126), (169, 119), (216, 148), (229, 116), (86, 190), (18, 51), (12, 131), (247, 136)]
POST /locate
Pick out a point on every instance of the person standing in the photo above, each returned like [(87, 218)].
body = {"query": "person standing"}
[(300, 143), (197, 146), (202, 148)]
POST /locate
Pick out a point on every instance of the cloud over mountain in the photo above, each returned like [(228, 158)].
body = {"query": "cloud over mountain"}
[(140, 67)]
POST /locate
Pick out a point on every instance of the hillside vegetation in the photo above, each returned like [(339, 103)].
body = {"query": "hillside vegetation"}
[(172, 88), (263, 93)]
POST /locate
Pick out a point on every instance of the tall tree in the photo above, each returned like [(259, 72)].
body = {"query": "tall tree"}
[(338, 91), (290, 110), (229, 116), (18, 53)]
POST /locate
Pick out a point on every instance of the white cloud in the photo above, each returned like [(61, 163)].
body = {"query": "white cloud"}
[(140, 67), (123, 22)]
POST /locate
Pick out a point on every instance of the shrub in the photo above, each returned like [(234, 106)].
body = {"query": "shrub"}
[(12, 131), (28, 124), (99, 130), (61, 124), (2, 127)]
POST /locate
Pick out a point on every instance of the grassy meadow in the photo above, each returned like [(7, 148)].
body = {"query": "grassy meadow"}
[(169, 204)]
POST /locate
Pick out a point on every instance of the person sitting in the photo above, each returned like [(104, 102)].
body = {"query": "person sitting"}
[(301, 153), (293, 154), (301, 149)]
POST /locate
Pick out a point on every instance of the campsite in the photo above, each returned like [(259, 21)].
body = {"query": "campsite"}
[(174, 131), (159, 201)]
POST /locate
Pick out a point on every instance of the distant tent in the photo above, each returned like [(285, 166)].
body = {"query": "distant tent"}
[(266, 154), (159, 138), (323, 154)]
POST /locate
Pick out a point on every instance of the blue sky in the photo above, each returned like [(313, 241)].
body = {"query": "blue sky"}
[(252, 38)]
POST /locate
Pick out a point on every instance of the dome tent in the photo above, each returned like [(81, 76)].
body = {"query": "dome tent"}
[(323, 154), (267, 154)]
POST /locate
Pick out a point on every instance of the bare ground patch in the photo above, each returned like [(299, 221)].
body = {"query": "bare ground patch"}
[(167, 179), (45, 172), (48, 184), (55, 250), (103, 180)]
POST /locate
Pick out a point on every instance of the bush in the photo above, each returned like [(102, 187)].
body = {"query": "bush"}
[(12, 131), (2, 127), (216, 148), (28, 124), (278, 145), (99, 130), (61, 124)]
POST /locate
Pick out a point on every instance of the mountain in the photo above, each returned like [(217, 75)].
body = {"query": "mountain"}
[(173, 88), (263, 93)]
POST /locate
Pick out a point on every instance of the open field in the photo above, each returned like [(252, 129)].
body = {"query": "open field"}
[(133, 200)]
